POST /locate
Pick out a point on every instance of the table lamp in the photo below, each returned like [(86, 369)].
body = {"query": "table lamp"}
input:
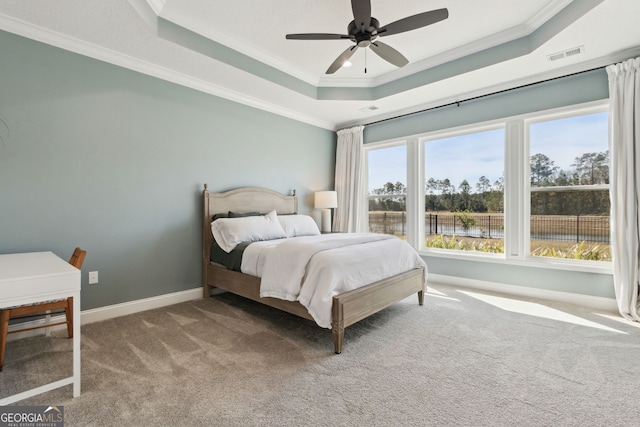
[(326, 200)]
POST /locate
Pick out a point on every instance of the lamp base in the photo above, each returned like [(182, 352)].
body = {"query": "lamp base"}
[(326, 221)]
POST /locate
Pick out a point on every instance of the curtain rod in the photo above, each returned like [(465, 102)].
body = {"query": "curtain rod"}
[(484, 96)]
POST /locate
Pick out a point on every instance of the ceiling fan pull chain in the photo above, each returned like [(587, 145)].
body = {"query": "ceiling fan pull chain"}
[(365, 61)]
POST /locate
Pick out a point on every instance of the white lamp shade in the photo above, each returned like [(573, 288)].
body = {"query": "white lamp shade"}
[(326, 199)]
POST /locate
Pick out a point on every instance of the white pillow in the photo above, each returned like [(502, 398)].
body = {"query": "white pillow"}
[(298, 225), (228, 232)]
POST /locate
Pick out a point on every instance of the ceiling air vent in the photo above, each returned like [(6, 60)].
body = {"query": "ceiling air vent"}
[(567, 53), (574, 51)]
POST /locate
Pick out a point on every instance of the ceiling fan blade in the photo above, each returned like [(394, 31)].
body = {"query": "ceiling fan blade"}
[(317, 36), (361, 13), (389, 54), (414, 22), (344, 56)]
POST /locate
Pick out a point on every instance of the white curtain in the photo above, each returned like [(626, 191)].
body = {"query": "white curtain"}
[(624, 149), (350, 181)]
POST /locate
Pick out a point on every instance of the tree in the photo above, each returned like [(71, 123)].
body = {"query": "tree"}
[(483, 188), (466, 219), (389, 203), (448, 192), (431, 186), (465, 195), (483, 185), (542, 170), (430, 198), (563, 178), (592, 168), (499, 185)]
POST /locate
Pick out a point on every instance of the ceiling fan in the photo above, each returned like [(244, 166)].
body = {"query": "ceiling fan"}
[(365, 29)]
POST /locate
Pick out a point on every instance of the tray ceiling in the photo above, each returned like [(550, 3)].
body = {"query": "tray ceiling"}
[(237, 49)]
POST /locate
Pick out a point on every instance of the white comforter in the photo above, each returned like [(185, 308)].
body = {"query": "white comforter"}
[(314, 269)]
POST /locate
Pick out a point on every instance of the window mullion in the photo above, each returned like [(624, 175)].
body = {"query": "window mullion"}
[(588, 187), (514, 189), (415, 194)]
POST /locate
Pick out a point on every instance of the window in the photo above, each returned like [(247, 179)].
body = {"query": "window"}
[(523, 189), (387, 190), (569, 187), (464, 192)]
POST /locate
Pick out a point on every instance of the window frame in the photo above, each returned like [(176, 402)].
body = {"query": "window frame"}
[(517, 201), (380, 146), (547, 116), (445, 134)]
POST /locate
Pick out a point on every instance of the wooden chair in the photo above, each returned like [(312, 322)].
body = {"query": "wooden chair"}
[(40, 309)]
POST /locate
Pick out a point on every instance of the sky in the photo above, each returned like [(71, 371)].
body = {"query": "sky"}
[(564, 140), (482, 154)]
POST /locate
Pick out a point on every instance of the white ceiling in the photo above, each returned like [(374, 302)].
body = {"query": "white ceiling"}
[(237, 49)]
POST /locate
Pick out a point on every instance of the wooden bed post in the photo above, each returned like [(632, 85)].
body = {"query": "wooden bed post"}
[(205, 249), (421, 292), (337, 325), (338, 337)]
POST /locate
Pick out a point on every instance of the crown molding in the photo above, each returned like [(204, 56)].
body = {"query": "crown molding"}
[(154, 8), (156, 5), (194, 24), (81, 47), (197, 26), (545, 14), (602, 61), (519, 31), (516, 41)]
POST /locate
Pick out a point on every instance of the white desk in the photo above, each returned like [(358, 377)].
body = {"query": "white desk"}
[(35, 277)]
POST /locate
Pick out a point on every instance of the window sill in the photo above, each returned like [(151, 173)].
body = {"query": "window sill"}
[(536, 262)]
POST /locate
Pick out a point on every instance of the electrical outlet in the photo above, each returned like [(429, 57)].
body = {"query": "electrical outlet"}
[(93, 277)]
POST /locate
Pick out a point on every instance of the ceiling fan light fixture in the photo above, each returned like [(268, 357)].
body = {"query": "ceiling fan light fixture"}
[(347, 64), (365, 29)]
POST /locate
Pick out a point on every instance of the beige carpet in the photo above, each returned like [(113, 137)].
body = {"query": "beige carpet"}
[(465, 358)]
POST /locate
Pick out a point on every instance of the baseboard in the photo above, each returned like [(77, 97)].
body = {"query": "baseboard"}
[(130, 307), (108, 312), (598, 303)]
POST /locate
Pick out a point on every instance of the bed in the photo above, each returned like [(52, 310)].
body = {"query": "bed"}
[(346, 308)]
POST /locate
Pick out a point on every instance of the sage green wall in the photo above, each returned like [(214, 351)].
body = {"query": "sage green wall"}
[(114, 161), (570, 90)]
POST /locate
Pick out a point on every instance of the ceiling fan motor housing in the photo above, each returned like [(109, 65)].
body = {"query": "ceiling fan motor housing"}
[(353, 29), (365, 29)]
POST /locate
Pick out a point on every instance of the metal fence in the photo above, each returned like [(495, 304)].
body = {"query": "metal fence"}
[(388, 222), (486, 226), (575, 228), (564, 228)]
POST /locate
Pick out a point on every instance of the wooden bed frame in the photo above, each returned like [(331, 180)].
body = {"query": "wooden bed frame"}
[(348, 308)]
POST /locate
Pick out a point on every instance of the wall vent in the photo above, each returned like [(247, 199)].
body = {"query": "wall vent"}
[(566, 53), (574, 51), (556, 56)]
